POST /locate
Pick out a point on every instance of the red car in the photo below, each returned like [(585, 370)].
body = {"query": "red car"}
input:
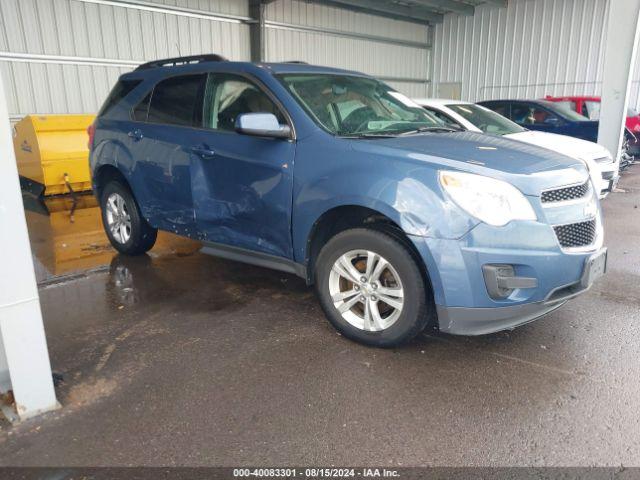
[(590, 108)]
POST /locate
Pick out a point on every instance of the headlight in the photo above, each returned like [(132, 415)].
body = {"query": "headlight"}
[(491, 201)]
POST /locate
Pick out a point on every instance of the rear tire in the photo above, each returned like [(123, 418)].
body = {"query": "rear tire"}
[(128, 232), (357, 272)]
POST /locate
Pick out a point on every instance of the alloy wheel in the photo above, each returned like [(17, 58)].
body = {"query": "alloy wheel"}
[(366, 290), (118, 218)]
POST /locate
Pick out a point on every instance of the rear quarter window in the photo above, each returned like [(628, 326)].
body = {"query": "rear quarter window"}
[(119, 91), (178, 101), (141, 110)]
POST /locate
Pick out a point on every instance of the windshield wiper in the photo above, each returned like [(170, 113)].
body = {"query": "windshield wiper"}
[(431, 129), (371, 135), (399, 134)]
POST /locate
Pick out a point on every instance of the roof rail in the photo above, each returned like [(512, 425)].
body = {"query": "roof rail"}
[(174, 62), (301, 62)]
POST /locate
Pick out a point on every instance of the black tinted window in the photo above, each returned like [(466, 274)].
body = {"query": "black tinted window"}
[(119, 91), (522, 114), (142, 109), (501, 109), (178, 101)]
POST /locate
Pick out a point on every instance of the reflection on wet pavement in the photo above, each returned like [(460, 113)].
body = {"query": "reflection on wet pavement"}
[(68, 239), (180, 358), (105, 313)]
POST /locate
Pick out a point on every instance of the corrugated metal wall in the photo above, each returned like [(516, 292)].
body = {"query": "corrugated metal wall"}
[(379, 58), (59, 56), (63, 56), (532, 48)]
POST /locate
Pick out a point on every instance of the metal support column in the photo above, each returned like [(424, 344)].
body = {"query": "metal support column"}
[(257, 30), (24, 359), (623, 31)]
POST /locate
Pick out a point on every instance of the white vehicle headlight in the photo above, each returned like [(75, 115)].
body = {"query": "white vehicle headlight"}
[(489, 200)]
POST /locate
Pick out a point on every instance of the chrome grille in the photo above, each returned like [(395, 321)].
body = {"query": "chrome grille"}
[(574, 235), (565, 194)]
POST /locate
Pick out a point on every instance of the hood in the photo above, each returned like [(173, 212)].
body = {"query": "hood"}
[(528, 167), (570, 146)]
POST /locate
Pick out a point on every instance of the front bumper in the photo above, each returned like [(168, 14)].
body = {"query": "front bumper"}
[(463, 303), (480, 321)]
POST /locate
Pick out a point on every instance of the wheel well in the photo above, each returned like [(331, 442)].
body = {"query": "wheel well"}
[(104, 175), (346, 217)]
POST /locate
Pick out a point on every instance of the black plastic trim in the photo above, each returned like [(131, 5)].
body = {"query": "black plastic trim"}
[(254, 258), (179, 61)]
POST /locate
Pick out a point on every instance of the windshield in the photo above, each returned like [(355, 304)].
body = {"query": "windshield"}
[(568, 104), (564, 112), (591, 110), (357, 106), (486, 120)]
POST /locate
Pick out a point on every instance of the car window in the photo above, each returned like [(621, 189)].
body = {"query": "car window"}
[(229, 96), (563, 112), (530, 114), (486, 120), (141, 110), (119, 91), (346, 108), (501, 109), (349, 105), (521, 114), (591, 110), (178, 101), (444, 118), (542, 117), (568, 104)]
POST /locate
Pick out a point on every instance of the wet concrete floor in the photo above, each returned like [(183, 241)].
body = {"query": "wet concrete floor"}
[(178, 358)]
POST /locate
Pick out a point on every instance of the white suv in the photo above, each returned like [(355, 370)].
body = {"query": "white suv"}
[(477, 118)]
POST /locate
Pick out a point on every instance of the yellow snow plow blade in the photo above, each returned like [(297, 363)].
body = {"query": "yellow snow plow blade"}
[(51, 151)]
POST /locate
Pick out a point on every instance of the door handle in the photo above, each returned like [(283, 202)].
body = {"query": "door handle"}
[(135, 135), (203, 151)]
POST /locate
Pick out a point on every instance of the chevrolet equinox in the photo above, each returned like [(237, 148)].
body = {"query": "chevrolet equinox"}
[(398, 220)]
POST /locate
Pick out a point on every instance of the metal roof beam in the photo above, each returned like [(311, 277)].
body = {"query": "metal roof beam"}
[(387, 9), (257, 30), (447, 5)]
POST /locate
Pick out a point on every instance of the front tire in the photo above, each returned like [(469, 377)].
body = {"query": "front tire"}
[(128, 232), (371, 288)]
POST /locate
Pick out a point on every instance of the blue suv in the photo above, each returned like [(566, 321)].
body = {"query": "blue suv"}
[(398, 220)]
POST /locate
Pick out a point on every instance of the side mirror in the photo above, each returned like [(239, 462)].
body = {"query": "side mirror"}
[(261, 125)]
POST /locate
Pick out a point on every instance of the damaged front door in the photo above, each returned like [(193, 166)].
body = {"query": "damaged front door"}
[(242, 185)]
